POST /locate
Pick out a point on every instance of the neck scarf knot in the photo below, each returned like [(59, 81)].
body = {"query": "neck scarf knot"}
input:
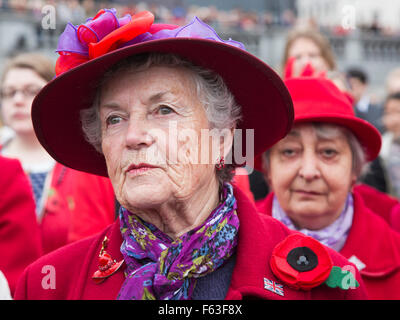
[(159, 267)]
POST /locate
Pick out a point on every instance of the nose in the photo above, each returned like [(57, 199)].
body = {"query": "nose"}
[(138, 135), (309, 168), (19, 98)]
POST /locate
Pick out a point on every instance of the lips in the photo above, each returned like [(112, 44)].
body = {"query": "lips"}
[(308, 192), (20, 115), (139, 168)]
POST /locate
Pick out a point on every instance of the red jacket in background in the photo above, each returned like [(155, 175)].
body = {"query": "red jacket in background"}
[(383, 204), (78, 205), (74, 265), (19, 232), (371, 244)]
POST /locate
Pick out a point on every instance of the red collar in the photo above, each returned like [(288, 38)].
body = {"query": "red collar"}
[(372, 241)]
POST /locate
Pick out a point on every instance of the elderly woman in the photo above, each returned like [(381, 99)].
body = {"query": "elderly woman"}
[(148, 97), (312, 172)]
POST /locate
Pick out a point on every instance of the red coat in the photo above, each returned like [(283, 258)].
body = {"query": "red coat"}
[(241, 180), (19, 232), (383, 204), (73, 265), (373, 243), (79, 205)]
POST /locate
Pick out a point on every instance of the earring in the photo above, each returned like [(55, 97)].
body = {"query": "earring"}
[(221, 164)]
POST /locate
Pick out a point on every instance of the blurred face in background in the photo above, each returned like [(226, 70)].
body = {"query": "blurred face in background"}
[(391, 117), (357, 88), (393, 85), (306, 51), (310, 172), (19, 88)]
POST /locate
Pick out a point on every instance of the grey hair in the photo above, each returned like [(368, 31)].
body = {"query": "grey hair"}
[(328, 131), (219, 103)]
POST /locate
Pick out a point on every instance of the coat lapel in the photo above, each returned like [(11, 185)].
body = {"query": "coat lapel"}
[(258, 235), (109, 288), (371, 244)]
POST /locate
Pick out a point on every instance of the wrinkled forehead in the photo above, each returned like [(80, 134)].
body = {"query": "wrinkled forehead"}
[(176, 74), (155, 81)]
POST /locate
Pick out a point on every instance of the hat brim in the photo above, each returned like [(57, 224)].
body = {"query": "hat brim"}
[(368, 136), (266, 103)]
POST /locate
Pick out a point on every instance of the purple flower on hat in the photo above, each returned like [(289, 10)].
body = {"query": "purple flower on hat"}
[(105, 32)]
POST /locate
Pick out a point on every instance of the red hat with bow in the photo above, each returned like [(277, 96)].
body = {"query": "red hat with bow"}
[(318, 99), (89, 50)]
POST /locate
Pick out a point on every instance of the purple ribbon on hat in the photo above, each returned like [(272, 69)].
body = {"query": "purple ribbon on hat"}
[(194, 29), (75, 39)]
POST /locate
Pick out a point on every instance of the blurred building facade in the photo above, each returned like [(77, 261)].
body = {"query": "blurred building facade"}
[(363, 32)]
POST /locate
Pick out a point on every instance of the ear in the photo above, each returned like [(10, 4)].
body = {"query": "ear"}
[(353, 181), (266, 171), (226, 141)]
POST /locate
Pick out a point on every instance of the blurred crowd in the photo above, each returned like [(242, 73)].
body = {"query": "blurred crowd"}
[(175, 12), (75, 11)]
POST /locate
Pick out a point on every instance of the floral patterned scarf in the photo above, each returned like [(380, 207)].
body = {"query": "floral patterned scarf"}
[(165, 269)]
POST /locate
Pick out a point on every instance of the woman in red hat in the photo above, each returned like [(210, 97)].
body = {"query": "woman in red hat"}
[(312, 172), (156, 108)]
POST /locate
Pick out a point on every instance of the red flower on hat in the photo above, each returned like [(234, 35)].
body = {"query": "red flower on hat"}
[(99, 35), (301, 262)]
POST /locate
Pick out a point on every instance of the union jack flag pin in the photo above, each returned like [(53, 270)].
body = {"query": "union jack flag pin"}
[(273, 287)]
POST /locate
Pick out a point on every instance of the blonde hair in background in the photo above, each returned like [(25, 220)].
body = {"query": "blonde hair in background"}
[(392, 83), (315, 36), (37, 62)]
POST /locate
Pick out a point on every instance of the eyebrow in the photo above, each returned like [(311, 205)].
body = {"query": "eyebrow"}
[(153, 99), (294, 133), (158, 96), (109, 105)]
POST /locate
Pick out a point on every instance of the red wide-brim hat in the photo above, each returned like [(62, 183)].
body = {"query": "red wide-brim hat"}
[(266, 104), (317, 99)]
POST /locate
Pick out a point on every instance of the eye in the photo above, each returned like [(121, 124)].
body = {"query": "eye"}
[(288, 152), (165, 110), (329, 152), (113, 119)]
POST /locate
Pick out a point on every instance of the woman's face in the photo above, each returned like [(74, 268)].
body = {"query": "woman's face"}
[(151, 129), (311, 175), (391, 116), (19, 88), (306, 51)]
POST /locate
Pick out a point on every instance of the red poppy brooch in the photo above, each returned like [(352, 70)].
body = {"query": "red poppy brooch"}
[(303, 263)]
